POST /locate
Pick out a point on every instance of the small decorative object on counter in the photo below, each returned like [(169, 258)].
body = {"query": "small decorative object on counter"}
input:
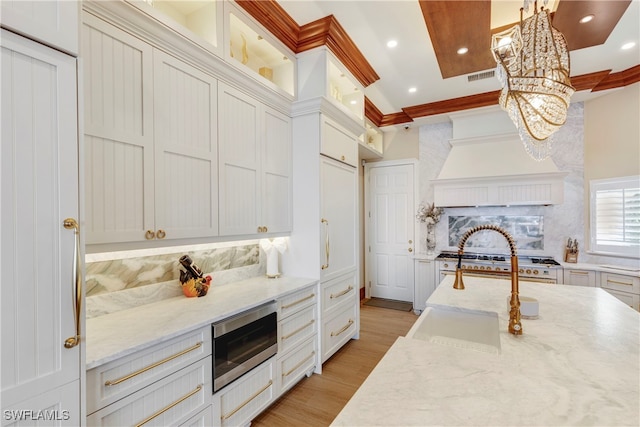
[(571, 251), (430, 215), (272, 247), (194, 284)]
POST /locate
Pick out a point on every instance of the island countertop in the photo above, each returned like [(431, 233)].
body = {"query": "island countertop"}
[(577, 364)]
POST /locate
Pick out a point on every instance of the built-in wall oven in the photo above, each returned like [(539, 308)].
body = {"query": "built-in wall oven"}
[(542, 269), (242, 342)]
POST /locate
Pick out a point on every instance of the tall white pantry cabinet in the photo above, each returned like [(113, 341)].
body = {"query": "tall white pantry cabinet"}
[(41, 261)]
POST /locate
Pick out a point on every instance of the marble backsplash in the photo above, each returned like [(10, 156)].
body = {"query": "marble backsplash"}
[(128, 281), (526, 230)]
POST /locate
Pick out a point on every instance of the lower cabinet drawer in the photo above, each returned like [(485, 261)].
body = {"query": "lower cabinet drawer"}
[(632, 300), (245, 398), (296, 364), (169, 401), (297, 328), (338, 290), (297, 301), (114, 380), (203, 418), (338, 329), (620, 282)]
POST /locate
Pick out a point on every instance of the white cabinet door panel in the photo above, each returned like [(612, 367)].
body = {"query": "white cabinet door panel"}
[(186, 163), (338, 194), (39, 191), (119, 191), (52, 22), (276, 172)]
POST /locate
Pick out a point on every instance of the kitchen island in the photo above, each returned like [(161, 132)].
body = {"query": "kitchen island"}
[(578, 363)]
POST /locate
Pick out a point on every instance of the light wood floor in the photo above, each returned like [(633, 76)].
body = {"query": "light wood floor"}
[(317, 400)]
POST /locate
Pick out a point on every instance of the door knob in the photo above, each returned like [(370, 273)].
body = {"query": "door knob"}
[(410, 250)]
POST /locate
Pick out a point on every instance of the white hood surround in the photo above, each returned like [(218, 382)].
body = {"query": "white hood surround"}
[(488, 166)]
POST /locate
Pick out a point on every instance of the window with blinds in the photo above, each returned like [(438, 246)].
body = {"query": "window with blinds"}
[(615, 216)]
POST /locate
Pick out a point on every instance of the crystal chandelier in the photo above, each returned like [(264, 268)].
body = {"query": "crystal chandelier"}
[(533, 68)]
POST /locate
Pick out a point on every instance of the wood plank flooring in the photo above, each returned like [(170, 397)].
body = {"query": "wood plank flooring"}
[(317, 400)]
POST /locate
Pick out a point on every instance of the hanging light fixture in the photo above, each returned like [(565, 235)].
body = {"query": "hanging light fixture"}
[(533, 68)]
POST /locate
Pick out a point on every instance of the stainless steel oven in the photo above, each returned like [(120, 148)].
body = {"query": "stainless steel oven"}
[(242, 342), (541, 269)]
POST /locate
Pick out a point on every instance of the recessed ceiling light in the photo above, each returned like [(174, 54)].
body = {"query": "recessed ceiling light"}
[(627, 46), (353, 102), (392, 43), (462, 51), (412, 89), (586, 19)]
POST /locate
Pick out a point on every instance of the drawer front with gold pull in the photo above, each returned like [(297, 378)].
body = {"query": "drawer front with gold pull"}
[(114, 380), (336, 292), (168, 401), (297, 328), (620, 282)]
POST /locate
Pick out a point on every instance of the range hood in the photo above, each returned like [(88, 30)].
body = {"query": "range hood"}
[(495, 170)]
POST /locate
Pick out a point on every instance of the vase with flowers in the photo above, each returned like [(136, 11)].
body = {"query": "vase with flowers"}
[(430, 215)]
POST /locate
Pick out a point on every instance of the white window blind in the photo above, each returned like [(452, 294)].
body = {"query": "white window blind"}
[(615, 216)]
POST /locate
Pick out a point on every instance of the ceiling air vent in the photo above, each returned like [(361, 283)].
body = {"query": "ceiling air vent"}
[(481, 76)]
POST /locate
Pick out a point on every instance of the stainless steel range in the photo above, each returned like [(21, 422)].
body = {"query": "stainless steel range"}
[(531, 268)]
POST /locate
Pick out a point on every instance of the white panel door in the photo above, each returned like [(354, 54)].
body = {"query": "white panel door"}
[(276, 172), (186, 151), (39, 191), (239, 162), (118, 76), (391, 265), (338, 226), (52, 22)]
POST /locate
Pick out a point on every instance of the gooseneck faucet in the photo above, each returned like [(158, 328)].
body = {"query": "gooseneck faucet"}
[(515, 327)]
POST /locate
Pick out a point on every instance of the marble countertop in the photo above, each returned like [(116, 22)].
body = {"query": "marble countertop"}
[(124, 332), (609, 268), (577, 364)]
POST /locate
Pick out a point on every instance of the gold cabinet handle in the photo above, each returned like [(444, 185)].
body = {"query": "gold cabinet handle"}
[(619, 283), (301, 328), (150, 235), (72, 224), (410, 249), (298, 301), (246, 402), (160, 234), (581, 273), (326, 243), (266, 230), (166, 408), (302, 362), (344, 328), (153, 365), (339, 294)]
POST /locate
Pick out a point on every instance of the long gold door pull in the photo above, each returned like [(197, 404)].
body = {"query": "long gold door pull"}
[(166, 408), (153, 365), (72, 224), (300, 329), (246, 402), (339, 294), (327, 247), (299, 301), (302, 362)]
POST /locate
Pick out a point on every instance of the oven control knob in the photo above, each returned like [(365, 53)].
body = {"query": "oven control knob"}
[(497, 268), (528, 271), (482, 267), (521, 271), (475, 267), (446, 265), (535, 271)]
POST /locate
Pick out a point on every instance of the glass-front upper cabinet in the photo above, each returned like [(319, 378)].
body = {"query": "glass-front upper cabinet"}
[(255, 51), (344, 89), (373, 138), (198, 20)]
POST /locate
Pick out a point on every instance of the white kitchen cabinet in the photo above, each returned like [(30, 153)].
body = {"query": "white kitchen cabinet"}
[(54, 23), (338, 143), (579, 277), (338, 218), (297, 337), (625, 288), (340, 312), (151, 141), (41, 316), (254, 164), (425, 283), (174, 375), (239, 402)]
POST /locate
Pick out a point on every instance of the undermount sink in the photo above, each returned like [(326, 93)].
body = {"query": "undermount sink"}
[(458, 327)]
